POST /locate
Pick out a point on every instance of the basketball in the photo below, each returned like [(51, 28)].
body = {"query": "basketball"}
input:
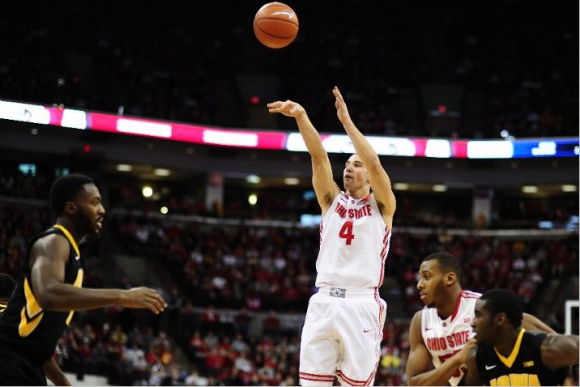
[(276, 25)]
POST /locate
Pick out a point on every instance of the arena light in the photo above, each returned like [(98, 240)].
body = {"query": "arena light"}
[(147, 191), (124, 168), (162, 172), (401, 186), (253, 179), (164, 210), (253, 199), (291, 181), (569, 188), (530, 189), (439, 188)]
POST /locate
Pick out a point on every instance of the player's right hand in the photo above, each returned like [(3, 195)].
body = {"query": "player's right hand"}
[(288, 108), (143, 297), (466, 350)]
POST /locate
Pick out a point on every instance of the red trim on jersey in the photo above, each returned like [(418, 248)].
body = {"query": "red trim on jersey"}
[(321, 227), (381, 307), (457, 306), (349, 380), (385, 243), (365, 199), (384, 254), (468, 294), (316, 380), (315, 377), (368, 382)]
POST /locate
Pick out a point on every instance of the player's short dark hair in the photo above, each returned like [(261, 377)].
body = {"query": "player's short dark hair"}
[(7, 285), (446, 262), (504, 301), (65, 189)]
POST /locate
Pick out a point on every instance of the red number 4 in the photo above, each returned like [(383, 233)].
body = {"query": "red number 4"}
[(346, 232)]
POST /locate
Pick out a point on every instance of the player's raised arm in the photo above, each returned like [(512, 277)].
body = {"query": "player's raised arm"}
[(379, 180), (560, 351), (322, 179)]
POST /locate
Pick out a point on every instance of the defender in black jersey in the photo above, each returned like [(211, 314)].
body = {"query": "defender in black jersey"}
[(508, 355), (7, 285), (440, 288), (51, 368), (49, 288)]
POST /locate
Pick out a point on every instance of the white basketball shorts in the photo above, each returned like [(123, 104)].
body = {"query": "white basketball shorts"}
[(342, 337)]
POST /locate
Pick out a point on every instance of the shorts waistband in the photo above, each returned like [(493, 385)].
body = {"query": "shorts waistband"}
[(337, 292)]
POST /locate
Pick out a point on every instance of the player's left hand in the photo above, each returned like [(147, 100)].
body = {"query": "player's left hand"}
[(341, 109)]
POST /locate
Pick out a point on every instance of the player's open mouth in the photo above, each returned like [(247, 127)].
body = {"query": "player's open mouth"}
[(99, 224)]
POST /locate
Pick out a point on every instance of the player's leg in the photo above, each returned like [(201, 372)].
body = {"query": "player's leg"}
[(318, 346), (360, 324)]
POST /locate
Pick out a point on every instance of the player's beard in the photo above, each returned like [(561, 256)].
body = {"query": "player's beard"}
[(438, 294), (87, 225)]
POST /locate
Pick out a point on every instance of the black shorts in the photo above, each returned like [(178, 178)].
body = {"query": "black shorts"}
[(16, 370)]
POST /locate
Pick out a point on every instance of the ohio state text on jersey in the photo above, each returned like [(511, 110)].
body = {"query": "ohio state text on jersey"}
[(354, 242), (443, 338)]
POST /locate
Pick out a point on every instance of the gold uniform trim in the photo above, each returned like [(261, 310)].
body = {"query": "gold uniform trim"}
[(31, 313), (79, 284), (509, 361), (70, 239)]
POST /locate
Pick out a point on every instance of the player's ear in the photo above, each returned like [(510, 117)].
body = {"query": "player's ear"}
[(501, 319), (70, 208), (451, 278)]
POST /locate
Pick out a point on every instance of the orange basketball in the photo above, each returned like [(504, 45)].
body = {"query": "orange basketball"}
[(276, 25)]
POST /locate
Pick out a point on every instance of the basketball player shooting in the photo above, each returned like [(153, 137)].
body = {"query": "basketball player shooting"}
[(344, 321)]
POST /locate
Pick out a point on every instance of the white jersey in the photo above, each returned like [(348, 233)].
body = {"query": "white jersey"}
[(443, 338), (354, 242)]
